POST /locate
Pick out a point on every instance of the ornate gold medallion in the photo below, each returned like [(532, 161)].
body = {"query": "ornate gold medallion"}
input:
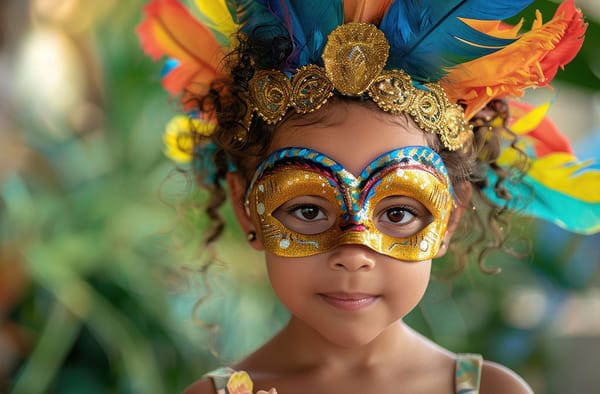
[(270, 94), (310, 89), (354, 56), (393, 91)]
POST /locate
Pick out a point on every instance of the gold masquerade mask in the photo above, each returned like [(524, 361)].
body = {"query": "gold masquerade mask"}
[(354, 59), (304, 203)]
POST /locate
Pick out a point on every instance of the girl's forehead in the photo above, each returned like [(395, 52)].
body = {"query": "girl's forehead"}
[(353, 137)]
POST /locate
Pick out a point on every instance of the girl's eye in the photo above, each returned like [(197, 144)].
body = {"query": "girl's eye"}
[(399, 215), (308, 213)]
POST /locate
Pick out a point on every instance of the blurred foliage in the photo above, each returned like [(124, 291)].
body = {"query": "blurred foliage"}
[(101, 264)]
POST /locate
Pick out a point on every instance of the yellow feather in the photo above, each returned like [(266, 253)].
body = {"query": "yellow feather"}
[(559, 171), (217, 16), (531, 120)]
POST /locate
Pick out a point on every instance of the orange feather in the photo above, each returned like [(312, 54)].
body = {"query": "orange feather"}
[(170, 30), (369, 11), (538, 53)]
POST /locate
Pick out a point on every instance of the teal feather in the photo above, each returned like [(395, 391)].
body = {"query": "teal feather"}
[(308, 22), (250, 14), (532, 198), (426, 36), (269, 38)]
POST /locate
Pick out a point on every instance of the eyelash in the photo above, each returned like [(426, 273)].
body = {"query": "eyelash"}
[(406, 208), (296, 209), (402, 208)]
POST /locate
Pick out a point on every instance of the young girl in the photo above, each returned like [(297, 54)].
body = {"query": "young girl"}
[(351, 138)]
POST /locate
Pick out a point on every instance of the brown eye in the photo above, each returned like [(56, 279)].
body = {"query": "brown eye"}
[(308, 212), (307, 215), (399, 215)]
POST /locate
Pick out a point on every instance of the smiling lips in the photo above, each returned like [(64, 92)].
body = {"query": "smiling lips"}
[(347, 301)]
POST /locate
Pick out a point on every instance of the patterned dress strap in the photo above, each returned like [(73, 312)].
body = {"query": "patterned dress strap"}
[(468, 373), (220, 377)]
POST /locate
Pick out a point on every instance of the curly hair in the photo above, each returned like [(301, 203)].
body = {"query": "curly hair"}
[(244, 149)]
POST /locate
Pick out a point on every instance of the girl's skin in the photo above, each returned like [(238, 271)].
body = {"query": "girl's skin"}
[(346, 333)]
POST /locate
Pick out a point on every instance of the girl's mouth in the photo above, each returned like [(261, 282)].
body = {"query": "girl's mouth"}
[(349, 301)]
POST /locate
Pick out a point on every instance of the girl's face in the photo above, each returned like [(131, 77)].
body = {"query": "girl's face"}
[(349, 294)]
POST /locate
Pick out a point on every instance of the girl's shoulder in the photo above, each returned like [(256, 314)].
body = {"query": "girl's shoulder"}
[(498, 379)]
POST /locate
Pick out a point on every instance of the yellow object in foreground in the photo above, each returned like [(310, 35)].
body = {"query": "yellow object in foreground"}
[(179, 137)]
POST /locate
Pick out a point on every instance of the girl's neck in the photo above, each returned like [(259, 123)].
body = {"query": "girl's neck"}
[(305, 346)]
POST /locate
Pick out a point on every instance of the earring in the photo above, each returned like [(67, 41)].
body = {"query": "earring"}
[(251, 236)]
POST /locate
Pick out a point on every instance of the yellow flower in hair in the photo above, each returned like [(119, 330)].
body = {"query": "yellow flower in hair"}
[(179, 137)]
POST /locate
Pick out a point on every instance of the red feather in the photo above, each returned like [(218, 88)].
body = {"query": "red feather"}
[(170, 30), (568, 46)]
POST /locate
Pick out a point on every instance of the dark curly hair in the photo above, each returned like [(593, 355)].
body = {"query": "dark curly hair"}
[(484, 222)]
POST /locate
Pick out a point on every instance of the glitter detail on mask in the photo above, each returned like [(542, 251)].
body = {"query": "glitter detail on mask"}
[(414, 172)]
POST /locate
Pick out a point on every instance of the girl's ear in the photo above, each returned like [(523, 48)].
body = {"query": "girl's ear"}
[(463, 191), (237, 190)]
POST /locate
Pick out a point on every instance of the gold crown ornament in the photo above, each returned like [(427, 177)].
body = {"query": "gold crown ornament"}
[(354, 58)]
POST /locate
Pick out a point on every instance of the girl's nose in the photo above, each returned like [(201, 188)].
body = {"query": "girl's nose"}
[(352, 258)]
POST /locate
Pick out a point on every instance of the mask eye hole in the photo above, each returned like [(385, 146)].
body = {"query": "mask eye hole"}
[(401, 216), (307, 215)]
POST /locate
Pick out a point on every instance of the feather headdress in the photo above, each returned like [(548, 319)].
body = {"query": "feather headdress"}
[(557, 186), (463, 45)]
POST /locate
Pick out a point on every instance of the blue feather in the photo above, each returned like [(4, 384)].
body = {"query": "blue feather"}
[(251, 14), (309, 22), (264, 28), (169, 65), (285, 13), (426, 36), (319, 18)]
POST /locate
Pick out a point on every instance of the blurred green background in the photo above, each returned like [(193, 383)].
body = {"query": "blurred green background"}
[(101, 263)]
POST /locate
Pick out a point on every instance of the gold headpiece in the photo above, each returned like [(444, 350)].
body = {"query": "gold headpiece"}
[(354, 57)]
